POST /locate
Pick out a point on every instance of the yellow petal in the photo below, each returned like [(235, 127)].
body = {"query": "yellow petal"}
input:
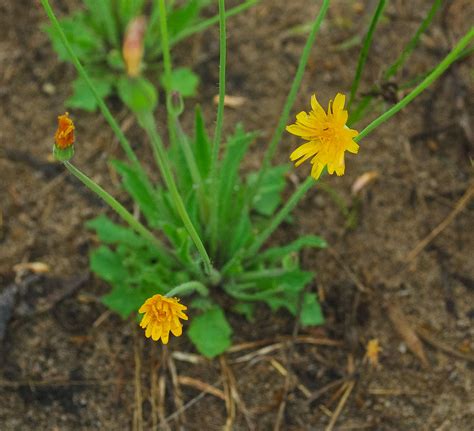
[(317, 170), (303, 159), (165, 337), (144, 308), (182, 315), (177, 330), (352, 147), (156, 334), (145, 320), (148, 331), (317, 108), (341, 117), (302, 150), (339, 102)]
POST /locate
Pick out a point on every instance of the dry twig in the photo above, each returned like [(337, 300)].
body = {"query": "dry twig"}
[(349, 387), (461, 204), (405, 330)]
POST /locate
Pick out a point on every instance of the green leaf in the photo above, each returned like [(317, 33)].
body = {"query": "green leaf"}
[(236, 148), (138, 94), (128, 9), (247, 309), (277, 253), (202, 303), (107, 265), (289, 287), (210, 332), (83, 98), (112, 233), (183, 80), (202, 145), (140, 189), (84, 40), (125, 300), (180, 18), (102, 15), (269, 195), (241, 233), (311, 313)]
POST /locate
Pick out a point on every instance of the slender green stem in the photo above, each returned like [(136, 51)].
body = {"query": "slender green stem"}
[(214, 224), (276, 138), (148, 123), (187, 288), (280, 216), (364, 52), (84, 75), (165, 48), (116, 206), (400, 61), (438, 70)]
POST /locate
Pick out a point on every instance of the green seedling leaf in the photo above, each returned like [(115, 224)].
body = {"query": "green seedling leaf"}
[(183, 80), (202, 303), (115, 60), (138, 94), (236, 148), (277, 253), (108, 265), (247, 309), (210, 332), (311, 313), (269, 195), (112, 233), (202, 145), (140, 189), (128, 9), (125, 300), (102, 15), (241, 233), (82, 37), (181, 17), (83, 98)]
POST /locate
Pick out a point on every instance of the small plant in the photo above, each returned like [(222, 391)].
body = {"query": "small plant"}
[(203, 230), (115, 41)]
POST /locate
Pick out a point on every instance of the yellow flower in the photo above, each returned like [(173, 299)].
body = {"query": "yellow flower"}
[(373, 350), (64, 136), (328, 137), (162, 315)]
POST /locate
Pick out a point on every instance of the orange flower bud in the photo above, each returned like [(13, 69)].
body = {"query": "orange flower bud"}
[(64, 136), (133, 45)]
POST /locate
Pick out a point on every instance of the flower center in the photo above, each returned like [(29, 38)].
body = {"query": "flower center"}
[(160, 315)]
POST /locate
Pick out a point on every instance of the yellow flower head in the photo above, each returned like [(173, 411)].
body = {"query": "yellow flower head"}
[(328, 137), (162, 315), (64, 136), (373, 350)]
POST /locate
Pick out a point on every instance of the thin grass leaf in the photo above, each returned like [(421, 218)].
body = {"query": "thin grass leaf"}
[(141, 190), (410, 46), (364, 52), (277, 253), (102, 12)]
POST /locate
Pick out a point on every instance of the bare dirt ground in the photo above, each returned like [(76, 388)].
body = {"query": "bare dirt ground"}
[(67, 364)]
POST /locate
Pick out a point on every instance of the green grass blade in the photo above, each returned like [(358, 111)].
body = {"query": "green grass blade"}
[(400, 61), (365, 51)]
